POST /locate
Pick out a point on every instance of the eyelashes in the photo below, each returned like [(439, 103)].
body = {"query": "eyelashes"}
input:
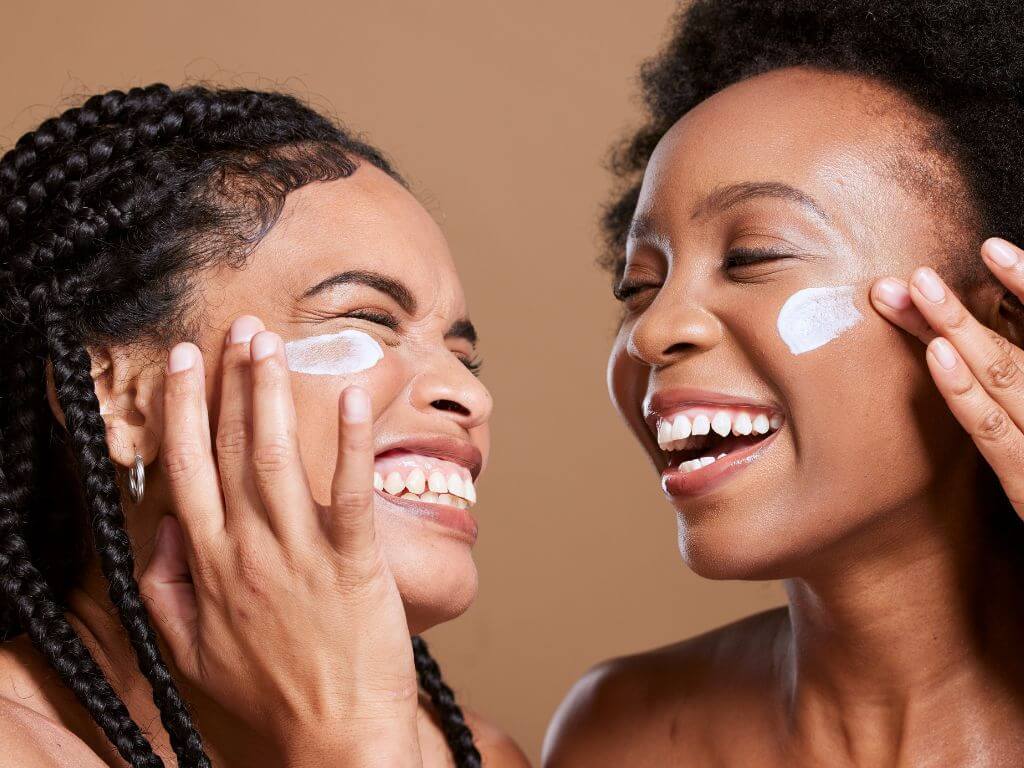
[(473, 364), (733, 264)]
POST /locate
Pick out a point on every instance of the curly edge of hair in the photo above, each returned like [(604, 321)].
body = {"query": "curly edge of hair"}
[(105, 213)]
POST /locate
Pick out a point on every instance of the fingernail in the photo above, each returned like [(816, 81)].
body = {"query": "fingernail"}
[(244, 328), (264, 344), (355, 405), (1002, 253), (893, 294), (929, 285), (944, 353), (183, 357)]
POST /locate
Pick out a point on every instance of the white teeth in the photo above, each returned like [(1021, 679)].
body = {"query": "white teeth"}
[(394, 483), (455, 485), (664, 432), (417, 481), (761, 424), (719, 456), (689, 466), (722, 423), (742, 425), (470, 491), (461, 503), (412, 496), (705, 460), (437, 483), (446, 498), (701, 425), (680, 427), (429, 496), (378, 481), (776, 421)]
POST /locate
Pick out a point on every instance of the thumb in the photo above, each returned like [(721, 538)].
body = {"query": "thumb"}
[(167, 588)]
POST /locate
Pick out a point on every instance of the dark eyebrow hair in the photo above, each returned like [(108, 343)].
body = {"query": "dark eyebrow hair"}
[(387, 285), (732, 194), (462, 329)]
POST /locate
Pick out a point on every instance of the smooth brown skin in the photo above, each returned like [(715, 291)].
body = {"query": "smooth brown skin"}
[(268, 684), (901, 640)]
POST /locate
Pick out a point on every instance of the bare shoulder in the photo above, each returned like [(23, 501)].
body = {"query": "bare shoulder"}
[(31, 732), (652, 707), (31, 740), (498, 749)]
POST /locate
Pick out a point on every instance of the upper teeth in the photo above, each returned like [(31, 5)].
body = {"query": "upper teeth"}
[(673, 433), (437, 487)]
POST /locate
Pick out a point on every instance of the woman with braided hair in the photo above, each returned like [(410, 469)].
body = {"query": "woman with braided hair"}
[(286, 558)]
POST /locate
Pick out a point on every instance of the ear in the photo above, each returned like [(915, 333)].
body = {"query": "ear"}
[(129, 387), (1008, 316)]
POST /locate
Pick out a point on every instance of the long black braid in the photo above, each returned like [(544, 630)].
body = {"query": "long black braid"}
[(105, 213)]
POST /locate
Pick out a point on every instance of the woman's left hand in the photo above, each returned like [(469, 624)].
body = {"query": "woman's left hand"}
[(978, 372)]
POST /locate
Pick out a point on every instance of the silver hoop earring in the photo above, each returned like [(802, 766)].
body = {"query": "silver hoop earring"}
[(137, 479)]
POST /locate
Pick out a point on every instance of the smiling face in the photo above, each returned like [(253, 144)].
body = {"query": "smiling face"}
[(357, 279), (792, 189)]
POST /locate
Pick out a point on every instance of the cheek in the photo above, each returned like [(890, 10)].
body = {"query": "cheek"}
[(316, 406)]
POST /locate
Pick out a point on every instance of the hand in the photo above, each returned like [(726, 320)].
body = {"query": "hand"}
[(978, 372), (281, 611)]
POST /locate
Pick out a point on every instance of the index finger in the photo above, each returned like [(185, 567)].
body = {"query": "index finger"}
[(993, 360), (351, 524), (186, 451)]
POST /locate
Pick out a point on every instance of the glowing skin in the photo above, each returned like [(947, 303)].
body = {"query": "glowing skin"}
[(904, 618), (812, 317), (333, 354)]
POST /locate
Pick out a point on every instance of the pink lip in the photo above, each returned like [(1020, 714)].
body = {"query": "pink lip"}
[(451, 449), (705, 479), (460, 522)]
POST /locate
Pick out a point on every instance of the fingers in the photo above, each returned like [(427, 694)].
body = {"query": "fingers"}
[(1006, 262), (186, 452), (993, 430), (234, 426), (992, 359), (167, 588), (279, 473), (350, 526), (891, 298)]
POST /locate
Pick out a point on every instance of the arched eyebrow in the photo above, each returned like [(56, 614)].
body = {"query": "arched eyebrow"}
[(642, 227), (723, 198), (387, 285)]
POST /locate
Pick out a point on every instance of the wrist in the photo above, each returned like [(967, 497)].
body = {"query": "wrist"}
[(367, 744)]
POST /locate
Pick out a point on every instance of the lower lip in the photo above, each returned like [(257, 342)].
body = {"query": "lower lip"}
[(452, 519), (700, 481)]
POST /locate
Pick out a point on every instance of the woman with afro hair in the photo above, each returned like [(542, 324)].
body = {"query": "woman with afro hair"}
[(820, 352)]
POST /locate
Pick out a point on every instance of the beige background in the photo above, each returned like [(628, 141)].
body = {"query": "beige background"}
[(500, 113)]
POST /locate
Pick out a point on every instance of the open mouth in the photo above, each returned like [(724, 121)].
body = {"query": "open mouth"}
[(697, 436), (423, 478)]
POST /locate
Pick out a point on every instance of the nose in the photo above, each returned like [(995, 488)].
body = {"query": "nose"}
[(451, 390), (672, 327)]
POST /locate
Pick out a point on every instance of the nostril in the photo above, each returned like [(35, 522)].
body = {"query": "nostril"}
[(450, 406)]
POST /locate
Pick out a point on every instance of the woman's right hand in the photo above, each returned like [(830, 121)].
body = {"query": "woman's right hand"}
[(283, 612)]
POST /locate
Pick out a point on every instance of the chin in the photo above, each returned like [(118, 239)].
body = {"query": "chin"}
[(748, 549), (437, 579)]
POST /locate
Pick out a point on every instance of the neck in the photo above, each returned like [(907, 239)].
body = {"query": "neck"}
[(912, 624)]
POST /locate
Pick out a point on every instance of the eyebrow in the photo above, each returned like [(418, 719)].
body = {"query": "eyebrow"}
[(721, 199), (386, 285), (727, 196), (462, 329)]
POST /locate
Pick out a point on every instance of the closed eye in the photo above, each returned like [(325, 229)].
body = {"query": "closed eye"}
[(742, 257), (627, 289), (373, 316)]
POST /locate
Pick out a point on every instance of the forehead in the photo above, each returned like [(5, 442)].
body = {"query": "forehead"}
[(828, 134), (366, 221)]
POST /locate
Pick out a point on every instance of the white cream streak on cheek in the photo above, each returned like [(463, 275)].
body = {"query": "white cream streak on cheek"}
[(333, 354), (813, 317)]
